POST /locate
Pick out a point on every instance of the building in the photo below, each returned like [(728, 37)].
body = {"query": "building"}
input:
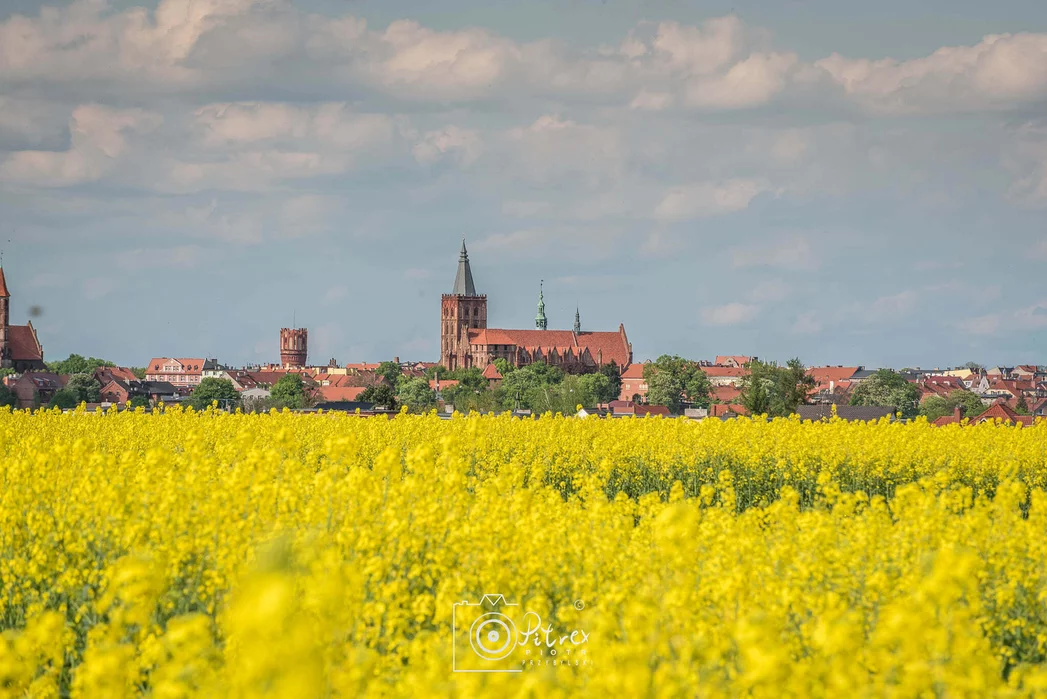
[(181, 373), (36, 388), (466, 341), (634, 386), (20, 349), (733, 360), (294, 347)]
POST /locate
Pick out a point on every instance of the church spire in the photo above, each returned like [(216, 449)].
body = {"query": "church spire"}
[(577, 321), (540, 321), (463, 280)]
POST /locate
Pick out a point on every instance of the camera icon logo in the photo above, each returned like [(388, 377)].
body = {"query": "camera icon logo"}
[(484, 635)]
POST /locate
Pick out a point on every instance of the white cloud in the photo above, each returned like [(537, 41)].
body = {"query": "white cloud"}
[(893, 306), (450, 142), (100, 136), (791, 253), (999, 71), (1031, 317), (808, 323), (706, 199), (730, 314), (553, 147)]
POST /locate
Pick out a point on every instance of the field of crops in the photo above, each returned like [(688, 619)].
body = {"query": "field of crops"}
[(287, 555)]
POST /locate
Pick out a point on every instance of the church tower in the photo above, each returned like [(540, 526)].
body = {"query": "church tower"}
[(577, 321), (461, 310), (540, 321), (5, 321)]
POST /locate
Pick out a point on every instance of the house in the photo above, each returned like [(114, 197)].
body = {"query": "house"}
[(727, 411), (725, 393), (36, 388), (733, 360), (827, 377), (955, 419), (725, 375), (938, 385), (334, 394), (1000, 411), (183, 373), (634, 387), (20, 348), (851, 413), (493, 376)]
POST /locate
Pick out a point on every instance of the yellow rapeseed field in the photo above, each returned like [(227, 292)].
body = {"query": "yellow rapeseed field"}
[(290, 555)]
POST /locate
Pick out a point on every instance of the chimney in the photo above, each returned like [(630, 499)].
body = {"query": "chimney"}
[(957, 413)]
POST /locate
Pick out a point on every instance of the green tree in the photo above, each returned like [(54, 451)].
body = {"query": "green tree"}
[(600, 387), (139, 372), (671, 379), (934, 407), (562, 397), (528, 384), (777, 391), (390, 371), (76, 364), (212, 389), (64, 399), (416, 395), (503, 366), (1021, 407), (290, 392), (139, 402), (887, 388), (6, 371), (85, 388), (613, 372), (7, 396), (380, 395), (974, 366)]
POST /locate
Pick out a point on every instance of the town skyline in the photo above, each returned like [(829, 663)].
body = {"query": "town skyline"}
[(724, 178)]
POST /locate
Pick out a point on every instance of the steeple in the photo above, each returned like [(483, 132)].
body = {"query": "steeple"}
[(577, 321), (540, 321), (4, 293), (463, 281)]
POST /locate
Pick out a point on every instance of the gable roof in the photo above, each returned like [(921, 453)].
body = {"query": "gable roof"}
[(190, 365), (341, 393), (491, 373), (4, 293), (726, 359), (1000, 411), (24, 344), (634, 371), (604, 347), (824, 374)]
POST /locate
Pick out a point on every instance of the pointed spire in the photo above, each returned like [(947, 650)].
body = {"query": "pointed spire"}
[(463, 280), (540, 321), (4, 293), (577, 321)]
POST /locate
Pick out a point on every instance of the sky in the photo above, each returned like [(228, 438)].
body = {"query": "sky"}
[(849, 183)]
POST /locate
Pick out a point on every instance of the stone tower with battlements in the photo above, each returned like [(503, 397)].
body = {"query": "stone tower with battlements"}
[(294, 347)]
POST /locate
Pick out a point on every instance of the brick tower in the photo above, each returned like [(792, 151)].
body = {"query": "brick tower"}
[(462, 310), (5, 322), (294, 346)]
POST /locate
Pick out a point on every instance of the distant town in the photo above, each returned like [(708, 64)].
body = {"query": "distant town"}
[(578, 372)]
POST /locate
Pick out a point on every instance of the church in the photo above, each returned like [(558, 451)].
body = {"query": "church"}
[(466, 341), (19, 347)]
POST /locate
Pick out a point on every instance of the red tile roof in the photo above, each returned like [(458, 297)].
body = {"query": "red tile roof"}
[(491, 373), (23, 343), (108, 373), (603, 346), (719, 409), (726, 394), (634, 371), (1000, 411), (444, 383), (3, 285), (824, 374), (641, 410), (724, 360), (341, 393)]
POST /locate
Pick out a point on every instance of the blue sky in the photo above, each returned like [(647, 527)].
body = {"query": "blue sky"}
[(851, 183)]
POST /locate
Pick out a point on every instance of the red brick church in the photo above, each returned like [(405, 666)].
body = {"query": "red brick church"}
[(466, 341), (19, 347)]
